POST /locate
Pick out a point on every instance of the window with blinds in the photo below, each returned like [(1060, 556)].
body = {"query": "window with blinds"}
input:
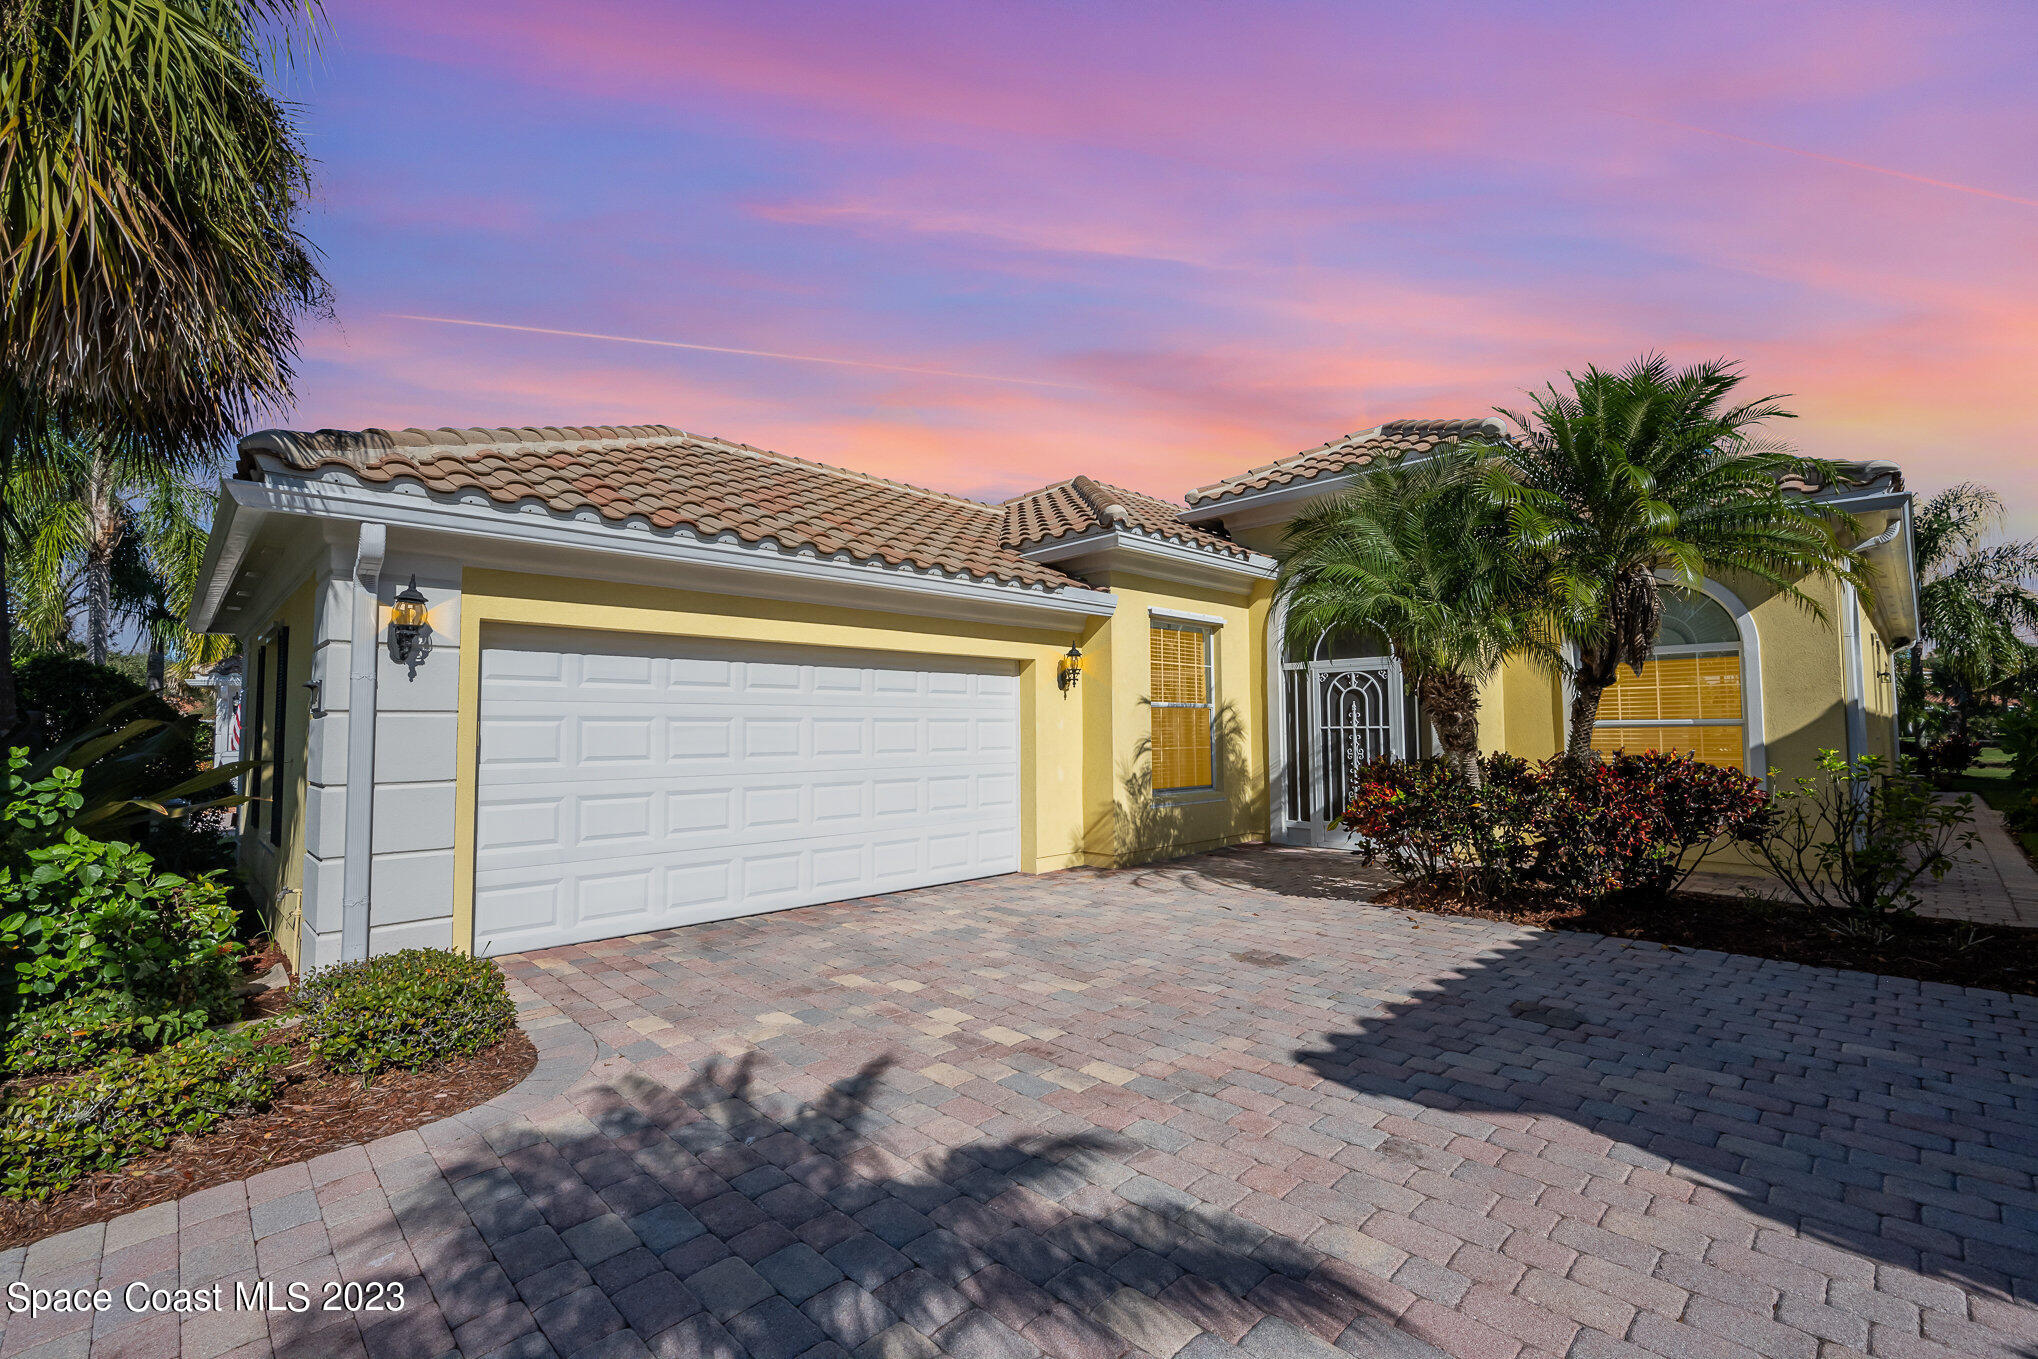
[(1181, 704), (1688, 699)]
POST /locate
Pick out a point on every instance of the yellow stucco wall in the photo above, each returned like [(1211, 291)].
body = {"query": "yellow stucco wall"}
[(1803, 697), (1879, 690), (1124, 821), (1078, 747), (275, 874)]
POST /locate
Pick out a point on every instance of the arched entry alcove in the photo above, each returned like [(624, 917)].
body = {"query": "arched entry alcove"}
[(1341, 702)]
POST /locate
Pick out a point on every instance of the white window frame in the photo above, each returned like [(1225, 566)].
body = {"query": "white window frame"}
[(1157, 622), (1754, 748)]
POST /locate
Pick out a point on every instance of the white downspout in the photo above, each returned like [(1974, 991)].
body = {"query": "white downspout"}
[(1854, 677), (361, 668), (1854, 673)]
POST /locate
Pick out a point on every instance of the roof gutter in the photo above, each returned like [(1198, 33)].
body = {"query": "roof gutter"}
[(1165, 552)]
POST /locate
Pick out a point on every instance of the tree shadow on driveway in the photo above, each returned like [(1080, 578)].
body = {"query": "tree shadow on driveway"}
[(721, 1218), (1706, 1104)]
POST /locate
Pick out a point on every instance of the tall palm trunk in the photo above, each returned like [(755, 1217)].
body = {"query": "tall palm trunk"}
[(1585, 696), (103, 504), (1633, 617), (98, 606), (1451, 703)]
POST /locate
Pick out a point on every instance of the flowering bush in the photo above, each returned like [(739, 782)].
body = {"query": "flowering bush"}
[(1631, 823), (1425, 820), (1640, 823)]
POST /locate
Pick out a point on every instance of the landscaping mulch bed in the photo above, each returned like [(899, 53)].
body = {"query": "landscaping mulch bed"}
[(2001, 959), (315, 1112)]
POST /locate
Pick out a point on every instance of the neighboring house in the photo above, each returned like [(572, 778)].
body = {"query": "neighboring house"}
[(224, 680), (674, 679)]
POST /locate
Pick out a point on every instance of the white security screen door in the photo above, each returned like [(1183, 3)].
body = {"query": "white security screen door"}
[(636, 783), (1338, 715)]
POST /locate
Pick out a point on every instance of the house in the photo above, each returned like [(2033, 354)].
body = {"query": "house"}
[(514, 688)]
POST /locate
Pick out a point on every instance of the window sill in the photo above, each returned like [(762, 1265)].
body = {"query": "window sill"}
[(1188, 797)]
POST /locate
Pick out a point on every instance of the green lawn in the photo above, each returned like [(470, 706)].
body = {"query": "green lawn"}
[(1988, 778)]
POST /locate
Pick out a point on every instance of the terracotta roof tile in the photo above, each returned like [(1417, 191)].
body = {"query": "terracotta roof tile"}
[(1398, 439), (1854, 476), (670, 479), (1080, 505), (1390, 442)]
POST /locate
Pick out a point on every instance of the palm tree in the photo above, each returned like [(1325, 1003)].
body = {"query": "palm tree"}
[(113, 533), (152, 269), (1976, 608), (1648, 470), (1421, 555)]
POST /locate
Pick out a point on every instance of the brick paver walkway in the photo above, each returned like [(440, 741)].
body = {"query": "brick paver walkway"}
[(1212, 1108)]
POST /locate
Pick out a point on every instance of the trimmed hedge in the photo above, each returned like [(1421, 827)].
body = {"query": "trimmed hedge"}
[(131, 1104), (408, 1010)]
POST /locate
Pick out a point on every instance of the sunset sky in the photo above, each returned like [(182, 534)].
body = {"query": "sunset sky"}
[(985, 246)]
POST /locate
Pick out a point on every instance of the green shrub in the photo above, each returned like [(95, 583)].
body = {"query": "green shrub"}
[(85, 914), (2017, 731), (60, 695), (55, 1135), (1948, 757), (2022, 815), (1858, 835), (35, 810), (408, 1010), (75, 1033)]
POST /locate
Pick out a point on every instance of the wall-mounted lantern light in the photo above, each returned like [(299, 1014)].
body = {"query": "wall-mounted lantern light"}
[(410, 628), (1070, 672)]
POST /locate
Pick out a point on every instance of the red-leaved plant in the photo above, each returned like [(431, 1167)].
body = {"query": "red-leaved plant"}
[(1630, 824)]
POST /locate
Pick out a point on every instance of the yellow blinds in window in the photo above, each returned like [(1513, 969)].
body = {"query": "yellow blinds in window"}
[(1181, 708), (1677, 688), (1681, 704), (1714, 745)]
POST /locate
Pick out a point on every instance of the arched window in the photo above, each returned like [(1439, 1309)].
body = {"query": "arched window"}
[(1688, 698)]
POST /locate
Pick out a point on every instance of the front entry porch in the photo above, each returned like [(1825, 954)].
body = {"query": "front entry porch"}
[(1339, 705)]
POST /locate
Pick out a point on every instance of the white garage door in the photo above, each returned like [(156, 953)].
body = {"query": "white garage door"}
[(635, 784)]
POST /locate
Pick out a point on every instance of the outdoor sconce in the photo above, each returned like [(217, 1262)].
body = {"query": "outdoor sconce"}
[(410, 628), (1070, 672)]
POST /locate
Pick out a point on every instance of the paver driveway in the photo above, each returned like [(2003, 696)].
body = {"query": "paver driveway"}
[(1204, 1109)]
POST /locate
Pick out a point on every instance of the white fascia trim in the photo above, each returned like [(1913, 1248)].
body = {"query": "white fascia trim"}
[(1862, 502), (233, 531), (341, 498), (1230, 506), (1252, 566), (1201, 620)]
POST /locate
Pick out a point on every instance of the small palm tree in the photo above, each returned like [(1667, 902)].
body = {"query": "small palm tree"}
[(1647, 470), (1420, 554), (1976, 607), (150, 261), (109, 532)]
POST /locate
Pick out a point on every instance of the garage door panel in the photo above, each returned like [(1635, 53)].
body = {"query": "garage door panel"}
[(644, 784)]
